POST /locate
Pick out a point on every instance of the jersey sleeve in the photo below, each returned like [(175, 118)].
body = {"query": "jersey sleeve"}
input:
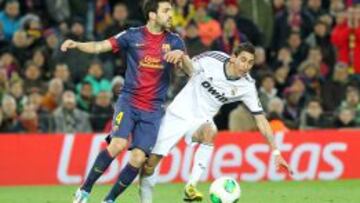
[(252, 102), (119, 41), (178, 44), (196, 62)]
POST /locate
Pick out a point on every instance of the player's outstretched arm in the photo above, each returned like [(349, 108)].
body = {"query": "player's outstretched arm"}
[(87, 47), (265, 129), (181, 59)]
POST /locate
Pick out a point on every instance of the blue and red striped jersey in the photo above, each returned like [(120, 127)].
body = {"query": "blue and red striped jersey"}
[(147, 76)]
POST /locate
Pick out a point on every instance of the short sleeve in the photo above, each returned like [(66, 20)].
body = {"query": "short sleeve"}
[(119, 41), (178, 44), (252, 102), (196, 62)]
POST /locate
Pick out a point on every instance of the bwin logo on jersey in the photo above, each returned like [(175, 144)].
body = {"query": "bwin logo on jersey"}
[(213, 91)]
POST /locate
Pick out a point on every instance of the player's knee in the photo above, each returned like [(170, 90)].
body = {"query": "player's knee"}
[(116, 146), (148, 170), (137, 158), (150, 164)]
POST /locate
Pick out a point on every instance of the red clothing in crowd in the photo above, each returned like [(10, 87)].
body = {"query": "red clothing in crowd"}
[(342, 37)]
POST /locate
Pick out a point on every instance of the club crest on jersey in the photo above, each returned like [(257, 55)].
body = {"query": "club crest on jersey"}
[(165, 48)]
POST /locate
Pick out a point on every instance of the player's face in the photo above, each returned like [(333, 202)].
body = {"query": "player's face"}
[(164, 15), (243, 63)]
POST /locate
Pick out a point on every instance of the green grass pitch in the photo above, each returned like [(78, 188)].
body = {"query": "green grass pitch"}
[(346, 191)]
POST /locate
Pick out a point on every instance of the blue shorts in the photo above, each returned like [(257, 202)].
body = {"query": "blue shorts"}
[(142, 125)]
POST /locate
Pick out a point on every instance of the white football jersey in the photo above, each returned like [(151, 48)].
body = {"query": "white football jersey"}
[(209, 88)]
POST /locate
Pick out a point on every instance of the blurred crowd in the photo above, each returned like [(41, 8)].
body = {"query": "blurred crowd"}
[(307, 60)]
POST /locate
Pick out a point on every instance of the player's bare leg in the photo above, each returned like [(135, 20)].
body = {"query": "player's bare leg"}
[(148, 178), (205, 136), (101, 163)]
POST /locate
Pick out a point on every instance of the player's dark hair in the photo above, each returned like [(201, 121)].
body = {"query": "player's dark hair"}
[(152, 6), (246, 46)]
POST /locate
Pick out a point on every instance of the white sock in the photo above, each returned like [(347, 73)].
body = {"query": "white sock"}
[(201, 161), (147, 184)]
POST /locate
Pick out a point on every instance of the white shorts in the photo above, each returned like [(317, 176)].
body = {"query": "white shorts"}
[(173, 128)]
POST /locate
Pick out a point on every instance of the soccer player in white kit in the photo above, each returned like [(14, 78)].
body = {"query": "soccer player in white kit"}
[(215, 79)]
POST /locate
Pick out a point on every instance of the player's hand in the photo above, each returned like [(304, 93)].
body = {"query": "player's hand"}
[(174, 56), (282, 165), (68, 44)]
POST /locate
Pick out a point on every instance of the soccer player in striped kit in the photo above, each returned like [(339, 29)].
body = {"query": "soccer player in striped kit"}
[(139, 109)]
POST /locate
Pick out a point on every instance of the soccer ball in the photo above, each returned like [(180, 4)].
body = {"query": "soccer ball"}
[(224, 190)]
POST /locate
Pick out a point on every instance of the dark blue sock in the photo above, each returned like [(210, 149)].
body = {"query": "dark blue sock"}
[(126, 177), (102, 162)]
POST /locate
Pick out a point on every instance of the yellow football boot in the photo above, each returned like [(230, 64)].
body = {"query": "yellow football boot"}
[(192, 194)]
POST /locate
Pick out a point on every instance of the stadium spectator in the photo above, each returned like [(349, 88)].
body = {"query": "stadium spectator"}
[(352, 102), (120, 19), (51, 46), (345, 37), (315, 56), (29, 121), (77, 61), (261, 67), (260, 12), (32, 25), (35, 98), (39, 58), (267, 90), (184, 13), (338, 84), (4, 83), (294, 98), (101, 111), (278, 7), (310, 72), (275, 110), (52, 97), (21, 47), (102, 16), (116, 86), (10, 18), (96, 79), (314, 8), (216, 8), (294, 18), (312, 116), (58, 10), (283, 58), (243, 24), (84, 97), (10, 122), (209, 28), (32, 80), (321, 38), (62, 72), (17, 92), (298, 48), (69, 119), (281, 78), (345, 118), (192, 40), (9, 63), (230, 38)]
